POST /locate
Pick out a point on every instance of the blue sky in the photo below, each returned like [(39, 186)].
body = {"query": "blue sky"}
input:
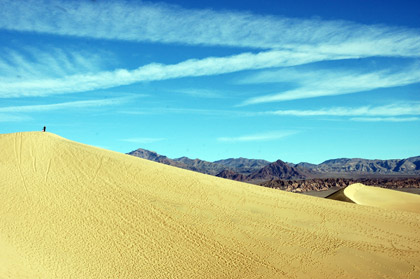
[(291, 80)]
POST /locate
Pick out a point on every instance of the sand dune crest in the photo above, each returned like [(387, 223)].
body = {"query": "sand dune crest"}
[(384, 198)]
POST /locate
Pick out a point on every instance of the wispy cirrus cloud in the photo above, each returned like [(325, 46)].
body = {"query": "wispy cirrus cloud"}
[(192, 111), (19, 113), (144, 21), (66, 105), (13, 118), (153, 72), (285, 41), (385, 119), (26, 63), (267, 136), (143, 140), (392, 110), (200, 93), (318, 83)]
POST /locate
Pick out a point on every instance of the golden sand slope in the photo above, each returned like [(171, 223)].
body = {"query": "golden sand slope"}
[(384, 198), (71, 210)]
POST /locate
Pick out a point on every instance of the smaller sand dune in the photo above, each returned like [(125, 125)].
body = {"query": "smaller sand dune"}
[(378, 197)]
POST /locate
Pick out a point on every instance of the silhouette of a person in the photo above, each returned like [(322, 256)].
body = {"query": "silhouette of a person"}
[(45, 128)]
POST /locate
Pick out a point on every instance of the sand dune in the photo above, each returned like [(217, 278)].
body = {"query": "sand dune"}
[(384, 198), (68, 210)]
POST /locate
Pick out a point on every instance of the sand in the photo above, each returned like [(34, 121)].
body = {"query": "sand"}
[(68, 210), (384, 198)]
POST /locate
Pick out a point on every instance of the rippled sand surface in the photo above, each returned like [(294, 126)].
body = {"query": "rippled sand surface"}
[(68, 210)]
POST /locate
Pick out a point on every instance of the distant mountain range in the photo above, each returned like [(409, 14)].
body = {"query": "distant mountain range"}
[(258, 171), (183, 162), (345, 165), (243, 165)]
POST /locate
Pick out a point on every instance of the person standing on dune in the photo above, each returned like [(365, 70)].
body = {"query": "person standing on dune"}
[(45, 128)]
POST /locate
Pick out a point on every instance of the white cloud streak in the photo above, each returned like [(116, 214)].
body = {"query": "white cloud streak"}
[(385, 119), (154, 72), (200, 93), (269, 136), (192, 111), (365, 111), (33, 63), (162, 23), (65, 105), (13, 118), (17, 113), (330, 83), (390, 112), (143, 140)]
